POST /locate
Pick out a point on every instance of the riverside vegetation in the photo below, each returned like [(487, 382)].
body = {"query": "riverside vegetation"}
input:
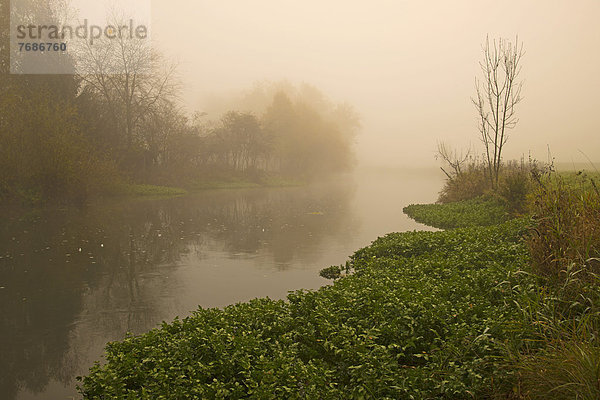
[(417, 318), (493, 311), (69, 139)]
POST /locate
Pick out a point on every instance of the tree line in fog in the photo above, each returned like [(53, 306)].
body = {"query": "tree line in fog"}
[(117, 120)]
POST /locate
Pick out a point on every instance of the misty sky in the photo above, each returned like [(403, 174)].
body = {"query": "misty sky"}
[(408, 67)]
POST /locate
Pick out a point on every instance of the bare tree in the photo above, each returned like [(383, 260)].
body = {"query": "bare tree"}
[(452, 159), (133, 80), (497, 95)]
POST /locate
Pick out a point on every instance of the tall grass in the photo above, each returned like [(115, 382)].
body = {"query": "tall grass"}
[(566, 369), (567, 212), (560, 358), (562, 361)]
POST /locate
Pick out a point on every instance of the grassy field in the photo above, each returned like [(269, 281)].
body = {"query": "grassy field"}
[(140, 190), (233, 183), (152, 190)]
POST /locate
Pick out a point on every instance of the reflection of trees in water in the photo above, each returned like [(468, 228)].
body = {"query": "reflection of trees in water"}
[(280, 222), (73, 280), (38, 304)]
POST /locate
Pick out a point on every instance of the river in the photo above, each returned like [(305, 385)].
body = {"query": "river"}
[(72, 280)]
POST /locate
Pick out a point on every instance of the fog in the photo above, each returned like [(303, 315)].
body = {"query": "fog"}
[(137, 185), (408, 67)]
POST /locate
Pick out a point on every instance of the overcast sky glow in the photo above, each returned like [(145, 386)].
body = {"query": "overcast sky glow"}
[(408, 67)]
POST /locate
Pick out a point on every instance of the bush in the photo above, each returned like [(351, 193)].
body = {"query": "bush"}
[(45, 157), (514, 184), (466, 185)]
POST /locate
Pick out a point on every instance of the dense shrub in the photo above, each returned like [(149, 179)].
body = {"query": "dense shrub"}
[(556, 353), (467, 184), (514, 184), (44, 156)]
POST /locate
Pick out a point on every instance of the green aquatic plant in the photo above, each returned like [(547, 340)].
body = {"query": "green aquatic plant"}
[(423, 315), (456, 314), (480, 211)]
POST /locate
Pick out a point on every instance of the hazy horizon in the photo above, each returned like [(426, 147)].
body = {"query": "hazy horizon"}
[(408, 68)]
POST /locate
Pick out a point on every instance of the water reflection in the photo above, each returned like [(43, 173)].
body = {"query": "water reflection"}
[(72, 280), (108, 268)]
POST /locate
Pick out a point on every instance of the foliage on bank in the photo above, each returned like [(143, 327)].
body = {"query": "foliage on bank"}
[(152, 190), (423, 315), (566, 208), (69, 138), (480, 211), (472, 180), (456, 314), (557, 351)]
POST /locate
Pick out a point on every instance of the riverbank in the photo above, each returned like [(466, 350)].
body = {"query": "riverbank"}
[(143, 190), (381, 332), (129, 191), (454, 314)]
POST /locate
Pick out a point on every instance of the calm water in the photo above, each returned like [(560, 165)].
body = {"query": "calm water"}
[(72, 280)]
